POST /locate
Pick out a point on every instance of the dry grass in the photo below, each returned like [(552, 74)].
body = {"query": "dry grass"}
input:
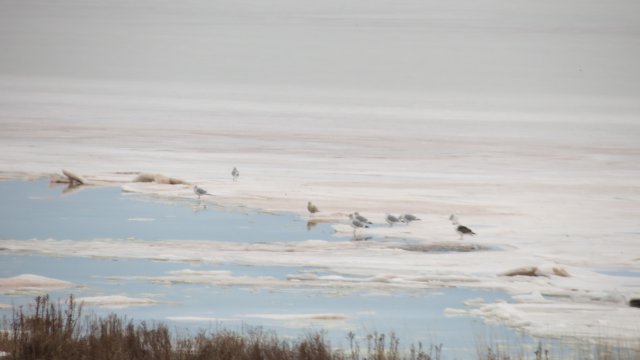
[(59, 331), (56, 331)]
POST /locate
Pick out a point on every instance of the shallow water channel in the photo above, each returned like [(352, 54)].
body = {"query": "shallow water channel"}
[(34, 210)]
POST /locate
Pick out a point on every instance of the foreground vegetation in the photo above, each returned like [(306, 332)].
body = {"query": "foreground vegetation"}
[(48, 330)]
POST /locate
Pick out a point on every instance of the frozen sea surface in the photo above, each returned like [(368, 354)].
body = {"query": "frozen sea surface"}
[(34, 210), (521, 117)]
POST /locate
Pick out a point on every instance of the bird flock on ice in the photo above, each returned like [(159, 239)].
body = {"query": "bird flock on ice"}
[(358, 221)]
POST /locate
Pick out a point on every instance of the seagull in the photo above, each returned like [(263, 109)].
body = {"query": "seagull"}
[(460, 229), (407, 218), (355, 224), (390, 219), (235, 173), (463, 230), (361, 218), (200, 191), (312, 208)]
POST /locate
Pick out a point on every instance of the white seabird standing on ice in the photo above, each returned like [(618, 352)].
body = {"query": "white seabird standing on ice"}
[(200, 191)]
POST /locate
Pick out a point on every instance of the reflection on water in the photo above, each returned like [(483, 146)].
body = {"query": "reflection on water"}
[(443, 247), (33, 210), (311, 225), (620, 272), (361, 238)]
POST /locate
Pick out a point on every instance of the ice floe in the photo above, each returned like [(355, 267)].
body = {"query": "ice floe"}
[(31, 284), (115, 301)]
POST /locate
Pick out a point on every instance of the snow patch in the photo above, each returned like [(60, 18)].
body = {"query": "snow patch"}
[(29, 283)]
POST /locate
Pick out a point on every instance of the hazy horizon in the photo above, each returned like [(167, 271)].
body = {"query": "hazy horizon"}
[(516, 49)]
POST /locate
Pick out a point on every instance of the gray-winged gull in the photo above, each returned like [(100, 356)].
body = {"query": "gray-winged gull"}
[(356, 224), (200, 191), (460, 229), (463, 230), (390, 219), (407, 218), (361, 218)]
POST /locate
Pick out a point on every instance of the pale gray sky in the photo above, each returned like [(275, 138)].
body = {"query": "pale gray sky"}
[(519, 47)]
